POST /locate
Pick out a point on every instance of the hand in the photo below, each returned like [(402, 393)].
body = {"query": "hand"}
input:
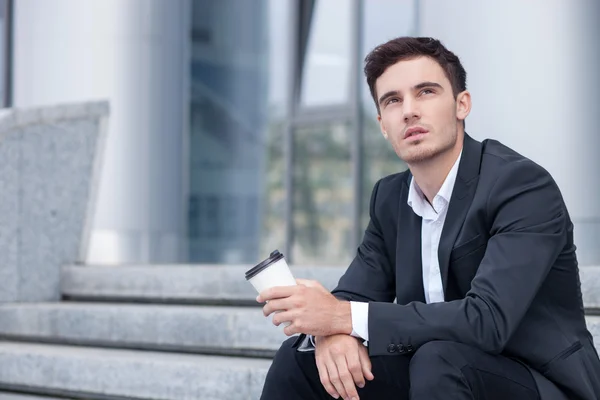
[(343, 362), (308, 308)]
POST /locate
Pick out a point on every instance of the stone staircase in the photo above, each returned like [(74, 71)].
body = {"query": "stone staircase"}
[(156, 332)]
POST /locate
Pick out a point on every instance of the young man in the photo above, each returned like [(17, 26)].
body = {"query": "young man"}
[(475, 244)]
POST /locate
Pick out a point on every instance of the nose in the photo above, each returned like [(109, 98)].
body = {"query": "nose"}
[(411, 110)]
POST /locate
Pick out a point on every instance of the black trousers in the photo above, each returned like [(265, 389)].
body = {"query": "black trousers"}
[(437, 370)]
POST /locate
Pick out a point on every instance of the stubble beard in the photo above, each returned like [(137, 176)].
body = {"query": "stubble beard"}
[(421, 151)]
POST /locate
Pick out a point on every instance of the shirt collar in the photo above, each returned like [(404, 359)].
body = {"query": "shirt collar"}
[(418, 202)]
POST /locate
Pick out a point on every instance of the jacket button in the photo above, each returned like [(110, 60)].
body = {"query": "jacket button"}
[(401, 348), (391, 348), (409, 348)]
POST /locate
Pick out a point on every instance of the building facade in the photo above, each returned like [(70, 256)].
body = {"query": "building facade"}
[(238, 126)]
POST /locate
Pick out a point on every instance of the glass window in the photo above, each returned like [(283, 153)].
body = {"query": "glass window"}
[(382, 20), (238, 82), (280, 55), (380, 160), (272, 233), (326, 79), (323, 195), (240, 66)]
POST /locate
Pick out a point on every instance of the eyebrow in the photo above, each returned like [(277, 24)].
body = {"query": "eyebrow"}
[(416, 87)]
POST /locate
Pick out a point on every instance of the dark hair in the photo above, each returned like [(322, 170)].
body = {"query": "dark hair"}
[(406, 48)]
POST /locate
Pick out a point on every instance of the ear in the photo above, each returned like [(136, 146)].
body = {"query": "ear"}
[(382, 127), (463, 105)]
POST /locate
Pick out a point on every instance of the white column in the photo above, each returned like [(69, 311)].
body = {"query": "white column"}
[(133, 53), (532, 70)]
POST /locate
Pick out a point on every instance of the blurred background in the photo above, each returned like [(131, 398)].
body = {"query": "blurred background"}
[(242, 126), (154, 150)]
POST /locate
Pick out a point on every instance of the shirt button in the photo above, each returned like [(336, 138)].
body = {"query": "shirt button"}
[(391, 348)]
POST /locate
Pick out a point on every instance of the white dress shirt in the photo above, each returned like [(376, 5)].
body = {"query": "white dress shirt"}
[(434, 216)]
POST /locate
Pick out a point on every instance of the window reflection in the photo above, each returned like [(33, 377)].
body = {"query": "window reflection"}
[(323, 195), (240, 81), (326, 79), (382, 20), (234, 148)]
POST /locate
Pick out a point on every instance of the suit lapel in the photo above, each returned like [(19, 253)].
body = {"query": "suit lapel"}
[(409, 275), (460, 201)]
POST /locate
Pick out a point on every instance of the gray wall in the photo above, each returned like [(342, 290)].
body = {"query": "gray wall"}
[(48, 179)]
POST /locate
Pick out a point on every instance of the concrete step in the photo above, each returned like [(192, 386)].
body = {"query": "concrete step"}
[(212, 284), (181, 284), (590, 287), (196, 329), (240, 331), (593, 324), (16, 396), (92, 373)]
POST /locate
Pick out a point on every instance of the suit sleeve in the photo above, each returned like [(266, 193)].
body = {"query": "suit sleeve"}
[(370, 276), (528, 233)]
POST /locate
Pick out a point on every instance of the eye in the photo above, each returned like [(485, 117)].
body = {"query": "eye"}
[(392, 100), (427, 91)]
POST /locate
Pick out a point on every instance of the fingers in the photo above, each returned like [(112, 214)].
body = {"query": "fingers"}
[(355, 368), (342, 378), (277, 292), (282, 317), (276, 305), (365, 363), (290, 330), (324, 377), (334, 378), (343, 365)]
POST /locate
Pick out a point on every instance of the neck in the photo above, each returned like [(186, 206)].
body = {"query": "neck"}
[(431, 174)]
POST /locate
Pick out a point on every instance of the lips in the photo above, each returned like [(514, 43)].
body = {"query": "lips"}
[(414, 131)]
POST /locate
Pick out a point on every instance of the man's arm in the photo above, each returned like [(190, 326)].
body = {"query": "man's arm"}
[(371, 275), (527, 236)]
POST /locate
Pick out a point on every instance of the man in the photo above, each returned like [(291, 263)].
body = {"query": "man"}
[(475, 244)]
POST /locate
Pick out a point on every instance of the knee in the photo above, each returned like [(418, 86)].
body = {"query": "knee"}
[(435, 357), (288, 372), (439, 362), (285, 359)]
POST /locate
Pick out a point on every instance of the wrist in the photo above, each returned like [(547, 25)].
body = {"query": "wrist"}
[(342, 322)]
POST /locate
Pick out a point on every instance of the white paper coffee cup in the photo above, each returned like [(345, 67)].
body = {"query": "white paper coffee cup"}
[(271, 272)]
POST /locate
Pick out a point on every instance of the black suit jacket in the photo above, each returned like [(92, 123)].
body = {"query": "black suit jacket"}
[(508, 267)]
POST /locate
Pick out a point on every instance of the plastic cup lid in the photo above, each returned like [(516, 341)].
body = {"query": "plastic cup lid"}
[(274, 257)]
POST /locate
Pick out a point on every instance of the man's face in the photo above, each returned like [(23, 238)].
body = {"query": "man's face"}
[(418, 114)]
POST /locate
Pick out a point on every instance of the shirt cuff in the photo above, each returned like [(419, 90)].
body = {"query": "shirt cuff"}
[(360, 319)]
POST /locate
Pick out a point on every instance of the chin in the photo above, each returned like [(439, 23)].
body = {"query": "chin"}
[(418, 154)]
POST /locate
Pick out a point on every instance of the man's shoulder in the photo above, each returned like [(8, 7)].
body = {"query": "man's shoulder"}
[(497, 156), (503, 168), (496, 151)]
